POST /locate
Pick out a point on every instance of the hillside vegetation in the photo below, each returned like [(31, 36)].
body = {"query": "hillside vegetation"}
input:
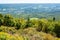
[(28, 29)]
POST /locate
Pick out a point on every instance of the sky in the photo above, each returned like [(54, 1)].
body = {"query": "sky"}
[(29, 1)]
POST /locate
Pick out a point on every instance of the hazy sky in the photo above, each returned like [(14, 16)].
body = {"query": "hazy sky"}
[(29, 1)]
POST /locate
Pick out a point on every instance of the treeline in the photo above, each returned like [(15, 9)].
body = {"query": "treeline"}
[(44, 25)]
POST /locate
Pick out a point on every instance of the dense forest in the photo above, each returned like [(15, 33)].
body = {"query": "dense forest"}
[(12, 28)]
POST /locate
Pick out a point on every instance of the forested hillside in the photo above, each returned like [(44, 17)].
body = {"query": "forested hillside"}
[(12, 28)]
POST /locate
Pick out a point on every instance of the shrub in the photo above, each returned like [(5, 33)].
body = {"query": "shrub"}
[(6, 29), (32, 34), (43, 25), (6, 36)]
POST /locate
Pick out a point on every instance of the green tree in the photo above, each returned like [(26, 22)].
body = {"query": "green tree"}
[(8, 20), (28, 23), (53, 18), (1, 16), (18, 25), (57, 30), (1, 21)]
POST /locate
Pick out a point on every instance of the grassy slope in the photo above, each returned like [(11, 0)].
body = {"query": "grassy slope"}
[(28, 33)]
